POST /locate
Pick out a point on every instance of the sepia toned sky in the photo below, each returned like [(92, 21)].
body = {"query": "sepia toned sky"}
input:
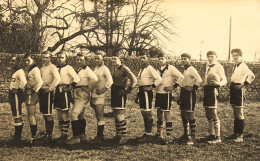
[(204, 25)]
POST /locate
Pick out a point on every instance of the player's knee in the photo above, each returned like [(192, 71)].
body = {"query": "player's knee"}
[(74, 116), (167, 116), (48, 118), (32, 120), (215, 117), (120, 117), (147, 114), (81, 116), (101, 122)]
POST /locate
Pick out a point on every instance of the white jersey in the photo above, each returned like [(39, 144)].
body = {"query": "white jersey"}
[(68, 75), (18, 79), (50, 76), (169, 75), (34, 79), (87, 76), (242, 73)]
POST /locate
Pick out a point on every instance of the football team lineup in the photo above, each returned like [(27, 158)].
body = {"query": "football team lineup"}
[(65, 89)]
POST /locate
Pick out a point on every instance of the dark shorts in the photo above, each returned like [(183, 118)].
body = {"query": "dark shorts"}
[(163, 101), (187, 100), (145, 99), (31, 99), (46, 101), (15, 101), (210, 99), (237, 96), (62, 100), (117, 101)]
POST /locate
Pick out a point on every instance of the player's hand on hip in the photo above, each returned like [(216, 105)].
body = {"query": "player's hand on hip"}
[(67, 88), (14, 90), (86, 88), (214, 83), (148, 88), (238, 86), (101, 91), (123, 92), (168, 89), (188, 88)]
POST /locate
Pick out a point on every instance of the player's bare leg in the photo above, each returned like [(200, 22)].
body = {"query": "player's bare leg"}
[(32, 121), (214, 116)]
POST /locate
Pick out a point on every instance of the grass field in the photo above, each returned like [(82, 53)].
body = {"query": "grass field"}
[(133, 150)]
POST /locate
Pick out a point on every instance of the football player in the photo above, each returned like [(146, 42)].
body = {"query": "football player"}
[(51, 78), (148, 78), (34, 83), (211, 91), (63, 98), (241, 77), (163, 98), (17, 85), (189, 85), (99, 93), (81, 98), (120, 74)]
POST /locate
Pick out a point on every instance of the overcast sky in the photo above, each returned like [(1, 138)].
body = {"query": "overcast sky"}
[(208, 21)]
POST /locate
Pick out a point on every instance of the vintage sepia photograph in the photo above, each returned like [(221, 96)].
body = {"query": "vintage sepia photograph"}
[(130, 80)]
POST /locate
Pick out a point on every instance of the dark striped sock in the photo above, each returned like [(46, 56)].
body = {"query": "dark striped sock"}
[(168, 128), (192, 127), (60, 126), (117, 123), (123, 128), (65, 127)]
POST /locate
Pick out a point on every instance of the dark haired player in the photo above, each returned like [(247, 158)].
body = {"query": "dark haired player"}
[(171, 79), (34, 83), (99, 93), (189, 85), (63, 99), (241, 77), (210, 100), (17, 85), (148, 78), (121, 74), (51, 78), (81, 98)]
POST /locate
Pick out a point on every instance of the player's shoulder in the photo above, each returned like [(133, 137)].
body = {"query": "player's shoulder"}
[(171, 66), (124, 67)]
